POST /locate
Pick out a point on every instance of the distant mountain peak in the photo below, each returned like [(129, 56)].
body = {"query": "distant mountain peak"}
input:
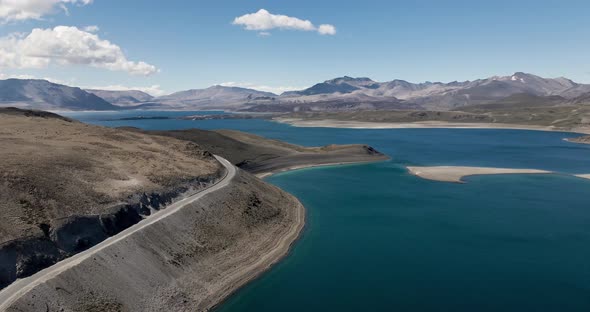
[(347, 79), (43, 94)]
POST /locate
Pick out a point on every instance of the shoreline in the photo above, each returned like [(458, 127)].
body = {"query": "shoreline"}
[(266, 174), (238, 277), (267, 262), (333, 123), (285, 246), (283, 250)]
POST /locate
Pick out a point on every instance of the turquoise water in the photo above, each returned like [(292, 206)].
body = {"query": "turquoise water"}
[(379, 239)]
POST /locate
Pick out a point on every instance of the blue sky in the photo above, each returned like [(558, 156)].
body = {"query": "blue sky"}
[(193, 44)]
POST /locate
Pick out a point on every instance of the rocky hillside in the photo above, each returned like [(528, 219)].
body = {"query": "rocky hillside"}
[(66, 186), (189, 261)]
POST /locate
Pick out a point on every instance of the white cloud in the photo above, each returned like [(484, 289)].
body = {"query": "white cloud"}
[(91, 28), (263, 21), (154, 90), (4, 76), (275, 90), (65, 45), (19, 10), (327, 29)]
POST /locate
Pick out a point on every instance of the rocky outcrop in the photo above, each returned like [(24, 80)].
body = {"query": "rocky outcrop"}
[(23, 257)]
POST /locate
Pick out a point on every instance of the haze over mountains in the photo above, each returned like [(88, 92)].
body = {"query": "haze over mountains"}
[(340, 94), (215, 97), (122, 98), (42, 94)]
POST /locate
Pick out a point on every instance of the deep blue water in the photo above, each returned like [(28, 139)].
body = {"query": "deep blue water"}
[(379, 239)]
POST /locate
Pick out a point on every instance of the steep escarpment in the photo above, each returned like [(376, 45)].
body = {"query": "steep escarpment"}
[(65, 186), (188, 261)]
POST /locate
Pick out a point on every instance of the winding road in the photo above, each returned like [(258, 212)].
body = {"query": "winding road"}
[(16, 290)]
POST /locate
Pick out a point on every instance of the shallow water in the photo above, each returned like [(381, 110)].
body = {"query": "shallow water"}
[(379, 239)]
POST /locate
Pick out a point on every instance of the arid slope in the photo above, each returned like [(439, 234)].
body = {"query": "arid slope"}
[(53, 168), (66, 186)]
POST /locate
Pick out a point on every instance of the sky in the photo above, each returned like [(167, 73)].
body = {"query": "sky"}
[(279, 45)]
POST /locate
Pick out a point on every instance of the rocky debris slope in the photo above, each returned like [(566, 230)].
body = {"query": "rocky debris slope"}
[(189, 261)]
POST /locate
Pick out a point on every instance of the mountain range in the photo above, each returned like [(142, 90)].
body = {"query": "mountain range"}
[(216, 97), (339, 94), (438, 95)]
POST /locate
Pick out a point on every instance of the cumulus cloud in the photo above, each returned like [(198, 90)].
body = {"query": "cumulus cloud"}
[(19, 10), (248, 85), (4, 76), (327, 29), (154, 90), (263, 21), (91, 28), (64, 45)]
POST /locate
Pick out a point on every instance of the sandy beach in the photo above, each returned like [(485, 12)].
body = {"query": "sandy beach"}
[(583, 176), (330, 123), (455, 174)]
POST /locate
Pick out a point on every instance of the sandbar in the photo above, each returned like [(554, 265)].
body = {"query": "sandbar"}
[(456, 173), (583, 176)]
